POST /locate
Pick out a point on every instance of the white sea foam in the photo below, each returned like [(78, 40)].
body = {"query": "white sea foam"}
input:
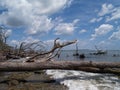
[(78, 80)]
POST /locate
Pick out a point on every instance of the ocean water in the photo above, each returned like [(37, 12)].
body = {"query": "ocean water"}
[(79, 80), (110, 56)]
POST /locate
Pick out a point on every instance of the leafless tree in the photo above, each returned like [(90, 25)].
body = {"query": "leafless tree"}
[(56, 47), (3, 39), (3, 35)]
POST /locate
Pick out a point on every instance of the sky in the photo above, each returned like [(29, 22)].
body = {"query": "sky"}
[(91, 22)]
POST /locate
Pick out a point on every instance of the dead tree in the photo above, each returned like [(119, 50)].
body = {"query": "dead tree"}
[(25, 49), (3, 38), (57, 46), (4, 48), (3, 35)]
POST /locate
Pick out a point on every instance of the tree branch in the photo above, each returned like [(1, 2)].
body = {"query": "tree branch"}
[(57, 45)]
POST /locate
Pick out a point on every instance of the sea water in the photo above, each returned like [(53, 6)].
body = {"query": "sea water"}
[(110, 56), (79, 80)]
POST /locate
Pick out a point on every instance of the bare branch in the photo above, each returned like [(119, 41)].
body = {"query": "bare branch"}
[(57, 45)]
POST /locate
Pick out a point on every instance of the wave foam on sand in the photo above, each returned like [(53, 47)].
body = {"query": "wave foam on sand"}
[(78, 80)]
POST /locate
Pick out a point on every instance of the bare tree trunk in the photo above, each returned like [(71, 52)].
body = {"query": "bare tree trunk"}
[(97, 67)]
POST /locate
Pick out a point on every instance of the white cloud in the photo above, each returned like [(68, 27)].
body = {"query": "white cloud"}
[(93, 20), (102, 30), (101, 43), (76, 21), (40, 25), (114, 12), (48, 6), (114, 15), (49, 42), (33, 14), (115, 35), (14, 42), (96, 20), (26, 40), (82, 31), (65, 28), (106, 9), (8, 32), (30, 40)]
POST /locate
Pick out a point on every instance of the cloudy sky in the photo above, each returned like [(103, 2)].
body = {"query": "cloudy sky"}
[(91, 22)]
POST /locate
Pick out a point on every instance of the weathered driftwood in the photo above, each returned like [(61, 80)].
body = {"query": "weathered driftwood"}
[(57, 46), (96, 67)]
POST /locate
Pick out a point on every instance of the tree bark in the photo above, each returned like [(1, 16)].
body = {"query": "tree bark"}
[(96, 67)]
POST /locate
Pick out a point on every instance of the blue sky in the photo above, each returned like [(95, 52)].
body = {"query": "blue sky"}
[(91, 22)]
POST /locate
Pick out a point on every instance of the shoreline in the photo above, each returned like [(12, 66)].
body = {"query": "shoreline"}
[(37, 80), (80, 80)]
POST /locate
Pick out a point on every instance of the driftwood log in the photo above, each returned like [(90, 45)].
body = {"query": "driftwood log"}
[(95, 67)]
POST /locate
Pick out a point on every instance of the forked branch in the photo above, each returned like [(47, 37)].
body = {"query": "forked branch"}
[(57, 45)]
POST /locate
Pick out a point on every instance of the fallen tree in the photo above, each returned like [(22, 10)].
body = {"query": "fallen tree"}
[(95, 67), (46, 62)]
